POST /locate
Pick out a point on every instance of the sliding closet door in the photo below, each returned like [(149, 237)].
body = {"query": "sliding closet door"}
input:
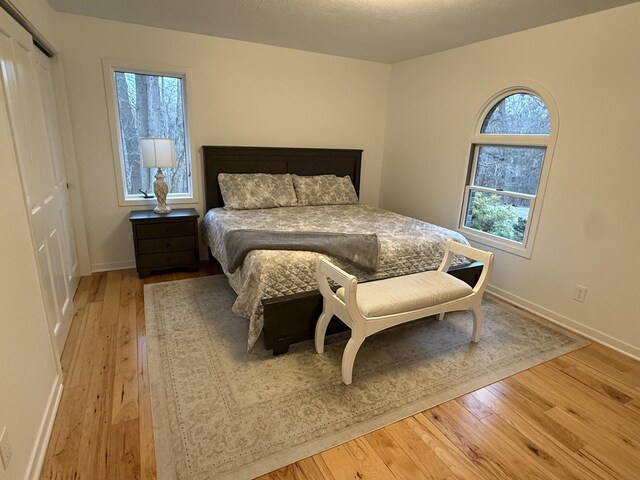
[(59, 185), (34, 123)]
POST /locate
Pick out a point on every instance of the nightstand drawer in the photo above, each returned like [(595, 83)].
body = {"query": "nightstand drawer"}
[(164, 229), (167, 259), (167, 244)]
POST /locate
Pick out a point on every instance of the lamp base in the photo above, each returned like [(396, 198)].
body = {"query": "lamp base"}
[(160, 209), (160, 189)]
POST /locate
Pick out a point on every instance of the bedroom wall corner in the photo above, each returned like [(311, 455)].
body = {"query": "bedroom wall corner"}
[(589, 225), (40, 14)]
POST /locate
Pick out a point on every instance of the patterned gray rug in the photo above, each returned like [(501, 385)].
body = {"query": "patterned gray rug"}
[(220, 412)]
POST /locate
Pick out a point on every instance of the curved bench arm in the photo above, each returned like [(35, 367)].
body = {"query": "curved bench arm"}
[(326, 270), (473, 253)]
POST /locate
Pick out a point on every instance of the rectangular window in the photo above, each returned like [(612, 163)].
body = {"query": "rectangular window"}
[(510, 169), (498, 214), (148, 104), (151, 106), (503, 190)]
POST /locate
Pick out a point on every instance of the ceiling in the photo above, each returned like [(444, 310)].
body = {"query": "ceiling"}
[(381, 30)]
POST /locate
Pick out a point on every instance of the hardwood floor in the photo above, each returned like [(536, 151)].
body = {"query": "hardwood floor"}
[(575, 417)]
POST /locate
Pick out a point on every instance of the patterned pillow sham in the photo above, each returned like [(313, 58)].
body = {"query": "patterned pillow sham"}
[(245, 191), (324, 190)]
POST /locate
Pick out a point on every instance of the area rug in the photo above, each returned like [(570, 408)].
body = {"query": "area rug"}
[(222, 413)]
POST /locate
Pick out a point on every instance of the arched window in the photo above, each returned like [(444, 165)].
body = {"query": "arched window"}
[(511, 153)]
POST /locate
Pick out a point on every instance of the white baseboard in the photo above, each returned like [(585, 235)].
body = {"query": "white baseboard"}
[(103, 267), (566, 322), (44, 432)]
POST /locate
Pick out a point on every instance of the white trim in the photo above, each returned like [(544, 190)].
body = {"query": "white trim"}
[(505, 193), (44, 432), (109, 67), (514, 140), (105, 267), (489, 240), (566, 322), (524, 249), (125, 264)]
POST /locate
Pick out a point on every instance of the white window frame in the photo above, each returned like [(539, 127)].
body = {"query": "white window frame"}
[(109, 68), (478, 140)]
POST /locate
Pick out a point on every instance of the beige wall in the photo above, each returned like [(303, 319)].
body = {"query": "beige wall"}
[(241, 94), (590, 226)]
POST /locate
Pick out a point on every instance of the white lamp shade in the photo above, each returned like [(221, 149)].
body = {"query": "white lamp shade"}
[(158, 152)]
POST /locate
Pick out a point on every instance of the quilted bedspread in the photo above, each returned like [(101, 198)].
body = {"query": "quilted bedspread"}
[(407, 246)]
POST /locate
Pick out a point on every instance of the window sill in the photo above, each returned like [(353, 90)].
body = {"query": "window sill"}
[(151, 202), (496, 242)]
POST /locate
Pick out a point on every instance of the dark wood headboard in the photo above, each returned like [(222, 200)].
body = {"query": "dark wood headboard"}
[(301, 161)]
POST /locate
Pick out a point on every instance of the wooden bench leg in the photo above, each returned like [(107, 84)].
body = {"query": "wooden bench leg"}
[(349, 357), (478, 319), (321, 328)]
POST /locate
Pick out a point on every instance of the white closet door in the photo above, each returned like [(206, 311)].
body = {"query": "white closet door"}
[(34, 123), (60, 186)]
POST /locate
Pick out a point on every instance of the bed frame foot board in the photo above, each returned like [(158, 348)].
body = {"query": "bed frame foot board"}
[(470, 274), (292, 318)]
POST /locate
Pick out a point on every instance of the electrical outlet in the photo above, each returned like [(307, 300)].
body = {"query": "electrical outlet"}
[(5, 448), (580, 293)]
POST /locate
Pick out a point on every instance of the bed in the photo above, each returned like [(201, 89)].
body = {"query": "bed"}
[(276, 289)]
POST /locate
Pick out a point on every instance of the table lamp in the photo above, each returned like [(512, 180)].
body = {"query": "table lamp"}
[(159, 153)]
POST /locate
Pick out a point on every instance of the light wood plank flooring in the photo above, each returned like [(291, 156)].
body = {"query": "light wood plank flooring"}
[(575, 417)]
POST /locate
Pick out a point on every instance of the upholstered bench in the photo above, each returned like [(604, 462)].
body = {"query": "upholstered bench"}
[(370, 307)]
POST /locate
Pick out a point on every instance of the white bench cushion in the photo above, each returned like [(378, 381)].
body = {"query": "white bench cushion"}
[(408, 292)]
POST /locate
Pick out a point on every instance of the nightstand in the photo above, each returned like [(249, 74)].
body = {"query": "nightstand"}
[(165, 241)]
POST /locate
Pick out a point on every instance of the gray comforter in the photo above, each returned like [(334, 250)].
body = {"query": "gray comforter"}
[(361, 249)]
